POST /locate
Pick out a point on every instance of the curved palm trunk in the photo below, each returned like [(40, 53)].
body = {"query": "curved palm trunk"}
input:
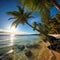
[(37, 29), (32, 26), (56, 4), (50, 39)]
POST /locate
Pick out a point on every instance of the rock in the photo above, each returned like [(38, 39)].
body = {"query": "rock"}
[(28, 53), (21, 47), (35, 46), (29, 46), (52, 39)]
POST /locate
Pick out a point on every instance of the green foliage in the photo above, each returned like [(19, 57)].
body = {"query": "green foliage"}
[(45, 16), (34, 25), (20, 16), (44, 28), (37, 4), (14, 13), (55, 24), (21, 9), (43, 7), (28, 14), (58, 17)]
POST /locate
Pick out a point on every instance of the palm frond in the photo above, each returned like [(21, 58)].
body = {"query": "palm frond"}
[(15, 23), (58, 17), (31, 17), (21, 17), (36, 3), (11, 18), (21, 9), (34, 25), (13, 13), (40, 26), (30, 13)]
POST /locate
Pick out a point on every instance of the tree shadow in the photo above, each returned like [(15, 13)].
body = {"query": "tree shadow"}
[(54, 43), (54, 47)]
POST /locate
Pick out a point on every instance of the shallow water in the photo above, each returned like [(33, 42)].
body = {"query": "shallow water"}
[(8, 40), (11, 42)]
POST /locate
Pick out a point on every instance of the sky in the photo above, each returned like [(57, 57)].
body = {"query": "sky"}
[(10, 5)]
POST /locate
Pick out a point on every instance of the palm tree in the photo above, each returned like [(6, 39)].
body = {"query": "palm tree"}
[(55, 24), (55, 4), (42, 6), (36, 3), (21, 17)]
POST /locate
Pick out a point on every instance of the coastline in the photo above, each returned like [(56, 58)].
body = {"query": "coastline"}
[(40, 53)]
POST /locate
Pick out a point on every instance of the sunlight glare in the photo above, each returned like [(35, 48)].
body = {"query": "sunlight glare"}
[(12, 29), (12, 39)]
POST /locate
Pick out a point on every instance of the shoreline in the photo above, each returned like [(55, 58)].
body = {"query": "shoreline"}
[(40, 52)]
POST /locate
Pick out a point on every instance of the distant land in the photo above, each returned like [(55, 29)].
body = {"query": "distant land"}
[(9, 33)]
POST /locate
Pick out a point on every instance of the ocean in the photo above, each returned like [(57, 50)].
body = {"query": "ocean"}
[(9, 40), (10, 43)]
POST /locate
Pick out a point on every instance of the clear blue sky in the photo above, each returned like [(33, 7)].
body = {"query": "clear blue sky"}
[(10, 5)]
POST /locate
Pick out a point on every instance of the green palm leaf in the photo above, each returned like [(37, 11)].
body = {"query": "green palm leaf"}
[(14, 13), (15, 23), (21, 9), (11, 18), (20, 16)]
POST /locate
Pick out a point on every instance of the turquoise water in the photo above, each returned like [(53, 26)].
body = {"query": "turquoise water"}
[(8, 40), (10, 43)]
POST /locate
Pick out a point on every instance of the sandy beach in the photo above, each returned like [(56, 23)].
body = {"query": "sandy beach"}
[(46, 53)]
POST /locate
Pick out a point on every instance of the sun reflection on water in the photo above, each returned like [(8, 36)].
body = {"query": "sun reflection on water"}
[(12, 39)]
